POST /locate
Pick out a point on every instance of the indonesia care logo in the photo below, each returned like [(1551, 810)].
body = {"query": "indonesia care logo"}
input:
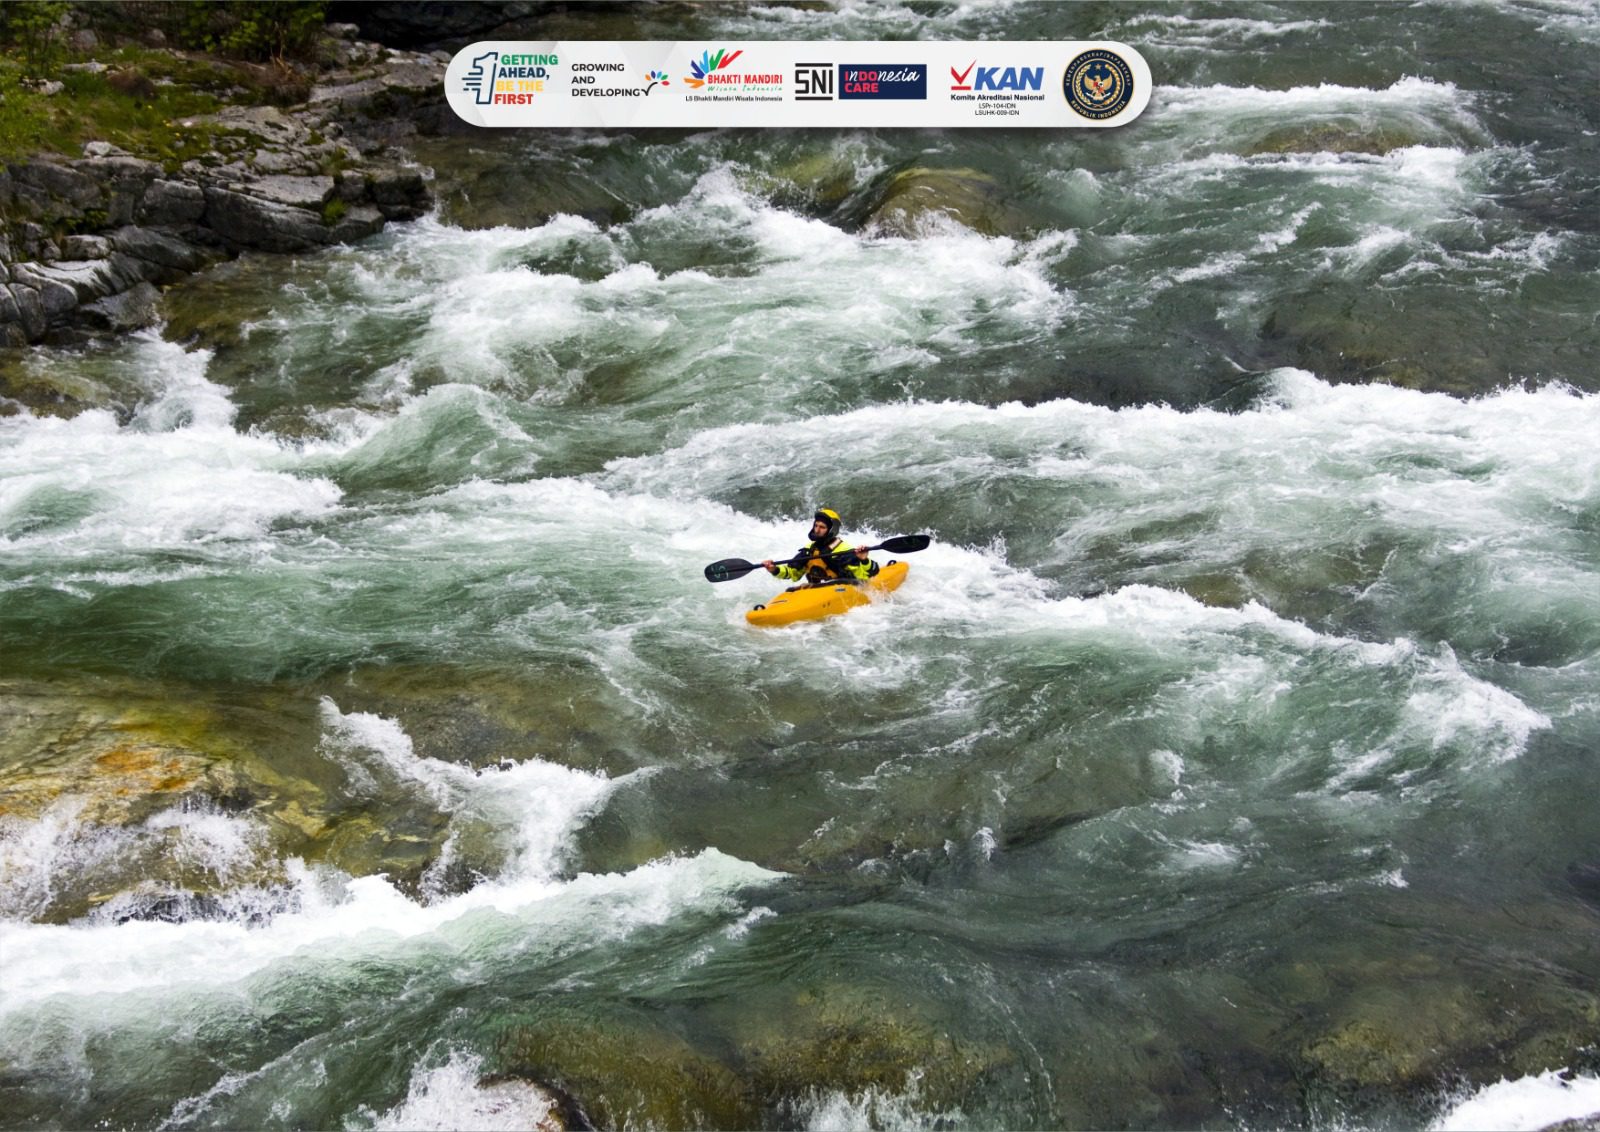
[(497, 79), (1098, 84)]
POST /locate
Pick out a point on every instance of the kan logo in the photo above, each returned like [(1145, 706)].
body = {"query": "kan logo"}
[(997, 78)]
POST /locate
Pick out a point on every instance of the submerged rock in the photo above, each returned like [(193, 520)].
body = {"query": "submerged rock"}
[(915, 198), (102, 774), (1334, 137), (750, 1064)]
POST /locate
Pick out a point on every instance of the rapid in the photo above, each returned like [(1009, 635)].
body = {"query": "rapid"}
[(375, 746)]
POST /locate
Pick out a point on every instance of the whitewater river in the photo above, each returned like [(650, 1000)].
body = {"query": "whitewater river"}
[(373, 743)]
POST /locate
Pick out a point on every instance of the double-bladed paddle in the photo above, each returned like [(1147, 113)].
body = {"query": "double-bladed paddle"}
[(730, 568)]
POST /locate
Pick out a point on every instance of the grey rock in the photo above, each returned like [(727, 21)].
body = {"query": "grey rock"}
[(171, 202), (61, 183), (357, 224), (244, 221), (109, 168), (299, 192), (127, 310), (9, 314), (102, 148), (342, 31), (83, 41), (30, 311), (400, 194), (93, 67), (56, 297), (83, 280), (130, 271), (85, 247), (160, 248), (265, 122), (350, 187), (411, 79), (29, 237), (281, 161)]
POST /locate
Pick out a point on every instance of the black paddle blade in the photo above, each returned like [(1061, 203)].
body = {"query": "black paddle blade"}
[(729, 568), (905, 544)]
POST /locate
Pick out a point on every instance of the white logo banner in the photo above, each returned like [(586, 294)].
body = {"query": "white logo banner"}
[(798, 83)]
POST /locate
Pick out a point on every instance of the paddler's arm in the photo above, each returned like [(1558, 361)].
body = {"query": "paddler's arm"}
[(785, 571)]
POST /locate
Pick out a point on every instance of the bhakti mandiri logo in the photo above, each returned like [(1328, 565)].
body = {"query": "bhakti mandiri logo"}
[(701, 71)]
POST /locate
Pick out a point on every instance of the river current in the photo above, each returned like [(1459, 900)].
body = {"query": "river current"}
[(375, 744)]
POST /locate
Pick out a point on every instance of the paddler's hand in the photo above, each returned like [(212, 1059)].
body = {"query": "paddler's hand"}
[(861, 553), (771, 569)]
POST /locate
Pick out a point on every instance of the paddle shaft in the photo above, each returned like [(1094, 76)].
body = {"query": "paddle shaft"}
[(730, 568)]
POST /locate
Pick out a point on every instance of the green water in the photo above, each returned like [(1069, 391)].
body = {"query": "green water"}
[(376, 744)]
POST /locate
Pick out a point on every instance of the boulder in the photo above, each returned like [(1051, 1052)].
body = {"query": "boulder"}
[(159, 248), (172, 202), (297, 192), (357, 224), (85, 247), (137, 307), (915, 197), (247, 222), (31, 316), (56, 295), (43, 184)]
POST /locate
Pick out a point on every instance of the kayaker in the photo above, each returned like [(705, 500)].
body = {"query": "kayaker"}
[(823, 564)]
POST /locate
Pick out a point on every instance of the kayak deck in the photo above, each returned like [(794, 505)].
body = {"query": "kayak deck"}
[(816, 602)]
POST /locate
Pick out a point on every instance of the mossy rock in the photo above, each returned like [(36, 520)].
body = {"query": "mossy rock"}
[(58, 393), (626, 1072), (1360, 335), (107, 754), (853, 1039), (1334, 137), (1409, 1022), (913, 200), (480, 715)]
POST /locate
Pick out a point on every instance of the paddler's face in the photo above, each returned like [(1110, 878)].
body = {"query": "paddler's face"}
[(818, 529)]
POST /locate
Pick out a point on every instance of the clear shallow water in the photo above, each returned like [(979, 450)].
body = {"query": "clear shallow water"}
[(1226, 761)]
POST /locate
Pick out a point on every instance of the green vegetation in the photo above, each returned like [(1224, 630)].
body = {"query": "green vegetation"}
[(225, 52), (33, 28), (253, 30), (143, 118)]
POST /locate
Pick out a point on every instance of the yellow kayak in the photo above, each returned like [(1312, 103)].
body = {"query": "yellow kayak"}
[(816, 602)]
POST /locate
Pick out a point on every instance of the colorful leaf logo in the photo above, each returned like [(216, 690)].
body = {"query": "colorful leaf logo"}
[(654, 78), (707, 64)]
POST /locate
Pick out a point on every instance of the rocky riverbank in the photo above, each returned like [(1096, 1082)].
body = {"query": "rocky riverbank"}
[(86, 244)]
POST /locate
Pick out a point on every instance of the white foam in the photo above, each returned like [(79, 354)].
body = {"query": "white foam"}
[(541, 803), (453, 1095), (176, 477), (836, 1110), (335, 917), (1525, 1104)]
